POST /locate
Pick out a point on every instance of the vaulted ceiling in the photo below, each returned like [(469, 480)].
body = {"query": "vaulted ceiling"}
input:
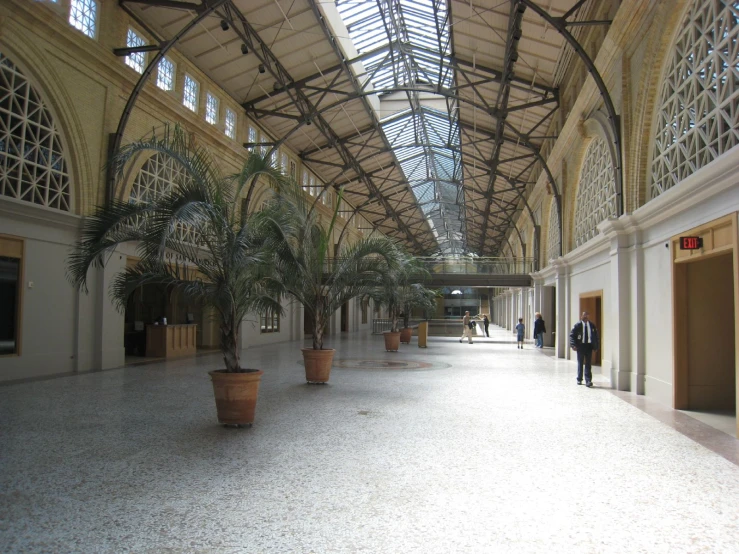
[(430, 114)]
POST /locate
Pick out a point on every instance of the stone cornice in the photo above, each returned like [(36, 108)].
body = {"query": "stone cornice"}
[(19, 209)]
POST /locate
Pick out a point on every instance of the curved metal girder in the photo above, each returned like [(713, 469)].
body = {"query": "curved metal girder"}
[(203, 10), (560, 25), (520, 137)]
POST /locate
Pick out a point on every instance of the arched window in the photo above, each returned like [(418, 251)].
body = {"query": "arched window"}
[(596, 194), (157, 177), (553, 232), (32, 165), (698, 103)]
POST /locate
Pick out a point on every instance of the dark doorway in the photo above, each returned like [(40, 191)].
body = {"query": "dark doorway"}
[(706, 291), (592, 302), (345, 317)]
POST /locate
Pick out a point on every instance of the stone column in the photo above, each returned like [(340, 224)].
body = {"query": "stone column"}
[(562, 280), (623, 252), (109, 349)]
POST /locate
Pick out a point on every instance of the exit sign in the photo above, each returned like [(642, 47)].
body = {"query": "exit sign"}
[(691, 243)]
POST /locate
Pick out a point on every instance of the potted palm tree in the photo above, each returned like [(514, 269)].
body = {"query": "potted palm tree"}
[(391, 292), (225, 266), (414, 296), (322, 283)]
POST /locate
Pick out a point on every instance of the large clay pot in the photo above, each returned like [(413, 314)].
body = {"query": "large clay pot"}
[(392, 341), (405, 335), (318, 364), (236, 395)]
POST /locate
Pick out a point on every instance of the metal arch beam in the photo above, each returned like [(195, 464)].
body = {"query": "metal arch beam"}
[(308, 111), (203, 10), (520, 138), (561, 24)]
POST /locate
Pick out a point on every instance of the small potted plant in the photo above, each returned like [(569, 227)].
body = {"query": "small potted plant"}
[(322, 283), (392, 292), (414, 296), (225, 267)]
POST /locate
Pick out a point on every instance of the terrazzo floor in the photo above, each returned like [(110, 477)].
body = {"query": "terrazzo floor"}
[(468, 448)]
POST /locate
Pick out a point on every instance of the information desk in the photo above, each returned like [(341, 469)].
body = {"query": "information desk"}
[(170, 341)]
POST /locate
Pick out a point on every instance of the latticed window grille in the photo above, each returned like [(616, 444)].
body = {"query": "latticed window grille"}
[(83, 16), (165, 74), (32, 165), (230, 128), (553, 238), (698, 118), (190, 93), (156, 178), (252, 137), (135, 60), (596, 194), (211, 109)]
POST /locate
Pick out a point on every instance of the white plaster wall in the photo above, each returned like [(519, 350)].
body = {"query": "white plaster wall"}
[(591, 274)]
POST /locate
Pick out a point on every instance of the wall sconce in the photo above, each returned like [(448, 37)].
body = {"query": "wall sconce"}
[(261, 68), (244, 49)]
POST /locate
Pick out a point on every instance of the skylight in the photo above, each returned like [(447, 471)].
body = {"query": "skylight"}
[(409, 47)]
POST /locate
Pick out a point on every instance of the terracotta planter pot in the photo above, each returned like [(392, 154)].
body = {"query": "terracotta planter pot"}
[(236, 396), (405, 335), (318, 364), (392, 341)]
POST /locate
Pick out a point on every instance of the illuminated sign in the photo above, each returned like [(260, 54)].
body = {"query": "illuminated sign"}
[(691, 243)]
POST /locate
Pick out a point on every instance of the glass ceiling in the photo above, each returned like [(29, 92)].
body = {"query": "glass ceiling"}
[(411, 45)]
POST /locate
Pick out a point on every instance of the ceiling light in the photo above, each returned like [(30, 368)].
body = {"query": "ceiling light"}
[(244, 49), (224, 24), (261, 68)]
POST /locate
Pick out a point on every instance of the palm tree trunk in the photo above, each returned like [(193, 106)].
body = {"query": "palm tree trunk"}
[(229, 345), (318, 333)]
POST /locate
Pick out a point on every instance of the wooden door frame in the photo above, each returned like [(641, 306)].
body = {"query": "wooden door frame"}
[(598, 324), (720, 236)]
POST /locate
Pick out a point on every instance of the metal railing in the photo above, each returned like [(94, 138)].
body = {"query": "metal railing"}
[(379, 326), (469, 266), (475, 266)]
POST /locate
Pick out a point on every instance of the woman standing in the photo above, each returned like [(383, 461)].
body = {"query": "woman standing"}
[(486, 323), (539, 330)]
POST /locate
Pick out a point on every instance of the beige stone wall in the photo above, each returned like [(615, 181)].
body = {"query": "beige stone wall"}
[(87, 86), (631, 53)]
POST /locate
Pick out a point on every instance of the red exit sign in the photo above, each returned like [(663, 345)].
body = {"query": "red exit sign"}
[(691, 243)]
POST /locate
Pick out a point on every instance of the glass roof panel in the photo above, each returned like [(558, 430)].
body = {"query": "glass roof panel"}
[(415, 42)]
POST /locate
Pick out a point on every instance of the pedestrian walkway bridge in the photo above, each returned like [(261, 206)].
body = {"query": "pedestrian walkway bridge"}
[(479, 272)]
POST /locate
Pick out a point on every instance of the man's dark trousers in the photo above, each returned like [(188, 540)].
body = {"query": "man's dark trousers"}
[(584, 358)]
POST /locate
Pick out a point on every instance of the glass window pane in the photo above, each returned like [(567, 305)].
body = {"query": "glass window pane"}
[(83, 16), (190, 93), (230, 124), (136, 60), (165, 74), (211, 109)]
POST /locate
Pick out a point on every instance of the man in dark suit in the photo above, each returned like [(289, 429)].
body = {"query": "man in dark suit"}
[(584, 340)]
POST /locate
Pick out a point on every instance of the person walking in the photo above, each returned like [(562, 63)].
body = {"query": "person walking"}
[(486, 323), (539, 330), (584, 341), (520, 328), (468, 325)]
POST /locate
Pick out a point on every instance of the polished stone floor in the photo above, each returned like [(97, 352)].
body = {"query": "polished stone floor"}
[(455, 448)]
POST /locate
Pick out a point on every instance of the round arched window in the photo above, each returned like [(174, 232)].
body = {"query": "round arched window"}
[(698, 103), (155, 178), (553, 240), (596, 194), (32, 165)]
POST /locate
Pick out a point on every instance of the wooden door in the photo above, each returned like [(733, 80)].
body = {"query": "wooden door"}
[(592, 302)]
